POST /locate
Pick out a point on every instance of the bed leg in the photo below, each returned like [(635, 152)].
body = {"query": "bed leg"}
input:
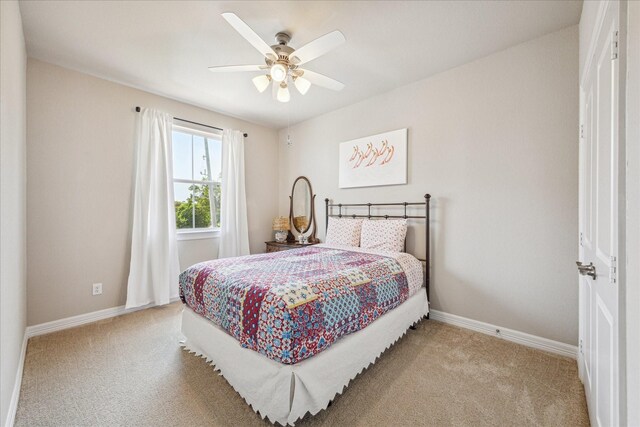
[(412, 327)]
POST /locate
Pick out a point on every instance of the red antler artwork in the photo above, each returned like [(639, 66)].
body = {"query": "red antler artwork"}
[(373, 155)]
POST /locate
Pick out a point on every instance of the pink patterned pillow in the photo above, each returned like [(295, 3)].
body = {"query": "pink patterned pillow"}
[(344, 232), (384, 234)]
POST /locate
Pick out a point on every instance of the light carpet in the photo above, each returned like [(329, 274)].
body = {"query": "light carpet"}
[(130, 370)]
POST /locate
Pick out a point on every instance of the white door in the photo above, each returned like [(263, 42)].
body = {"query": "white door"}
[(599, 364)]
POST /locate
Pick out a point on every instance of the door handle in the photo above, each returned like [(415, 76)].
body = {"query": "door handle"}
[(587, 270)]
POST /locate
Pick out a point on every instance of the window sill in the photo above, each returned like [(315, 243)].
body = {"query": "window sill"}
[(198, 234)]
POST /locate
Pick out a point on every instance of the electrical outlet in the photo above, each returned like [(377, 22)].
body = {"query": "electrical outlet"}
[(97, 289)]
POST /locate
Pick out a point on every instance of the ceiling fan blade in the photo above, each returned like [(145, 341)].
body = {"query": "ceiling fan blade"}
[(230, 68), (322, 80), (245, 31), (318, 47)]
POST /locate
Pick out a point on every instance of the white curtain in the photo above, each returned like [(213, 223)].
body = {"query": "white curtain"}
[(154, 269), (234, 231)]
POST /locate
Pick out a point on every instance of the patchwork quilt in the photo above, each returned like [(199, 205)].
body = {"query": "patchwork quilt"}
[(290, 305)]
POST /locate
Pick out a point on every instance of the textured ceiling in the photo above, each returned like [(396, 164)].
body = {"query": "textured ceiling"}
[(166, 47)]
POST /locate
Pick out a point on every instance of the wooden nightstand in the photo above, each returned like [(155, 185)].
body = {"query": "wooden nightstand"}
[(277, 247)]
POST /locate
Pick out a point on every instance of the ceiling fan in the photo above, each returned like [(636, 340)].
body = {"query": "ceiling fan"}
[(282, 62)]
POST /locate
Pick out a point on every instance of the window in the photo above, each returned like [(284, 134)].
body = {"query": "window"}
[(197, 171)]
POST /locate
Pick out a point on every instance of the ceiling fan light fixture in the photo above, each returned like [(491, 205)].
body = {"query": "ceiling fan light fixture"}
[(261, 82), (278, 72), (282, 61), (302, 85), (283, 93)]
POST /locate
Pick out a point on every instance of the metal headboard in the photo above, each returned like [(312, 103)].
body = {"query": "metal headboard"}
[(427, 198)]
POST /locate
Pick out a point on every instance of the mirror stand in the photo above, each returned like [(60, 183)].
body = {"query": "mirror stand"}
[(302, 222)]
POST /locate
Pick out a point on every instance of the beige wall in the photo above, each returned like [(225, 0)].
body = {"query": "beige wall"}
[(13, 197), (80, 162), (198, 250), (495, 142)]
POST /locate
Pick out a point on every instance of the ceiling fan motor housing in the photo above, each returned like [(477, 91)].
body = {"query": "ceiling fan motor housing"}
[(282, 50)]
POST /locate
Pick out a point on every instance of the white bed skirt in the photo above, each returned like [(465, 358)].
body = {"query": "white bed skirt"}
[(285, 393)]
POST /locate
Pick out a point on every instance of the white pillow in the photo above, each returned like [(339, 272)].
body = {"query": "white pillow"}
[(384, 234), (344, 231)]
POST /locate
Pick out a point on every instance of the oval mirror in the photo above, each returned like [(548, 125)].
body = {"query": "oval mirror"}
[(301, 205)]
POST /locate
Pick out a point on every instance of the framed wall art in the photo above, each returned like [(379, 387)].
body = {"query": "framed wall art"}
[(374, 160)]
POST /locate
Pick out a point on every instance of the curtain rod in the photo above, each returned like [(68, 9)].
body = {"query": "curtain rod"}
[(196, 123)]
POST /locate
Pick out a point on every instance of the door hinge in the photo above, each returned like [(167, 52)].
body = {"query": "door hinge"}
[(581, 131), (581, 348), (581, 239), (614, 45), (613, 270)]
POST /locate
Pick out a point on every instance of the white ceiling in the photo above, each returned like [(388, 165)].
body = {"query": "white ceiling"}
[(166, 47)]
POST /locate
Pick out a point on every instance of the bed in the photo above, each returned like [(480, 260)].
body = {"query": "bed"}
[(289, 330)]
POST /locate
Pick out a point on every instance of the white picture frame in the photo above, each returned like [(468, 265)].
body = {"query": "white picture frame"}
[(374, 160)]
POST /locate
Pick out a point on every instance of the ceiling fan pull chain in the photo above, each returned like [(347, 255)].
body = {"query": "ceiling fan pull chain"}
[(289, 143)]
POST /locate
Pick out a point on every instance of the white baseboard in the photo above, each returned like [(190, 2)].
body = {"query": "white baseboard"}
[(507, 334), (82, 319), (15, 396)]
